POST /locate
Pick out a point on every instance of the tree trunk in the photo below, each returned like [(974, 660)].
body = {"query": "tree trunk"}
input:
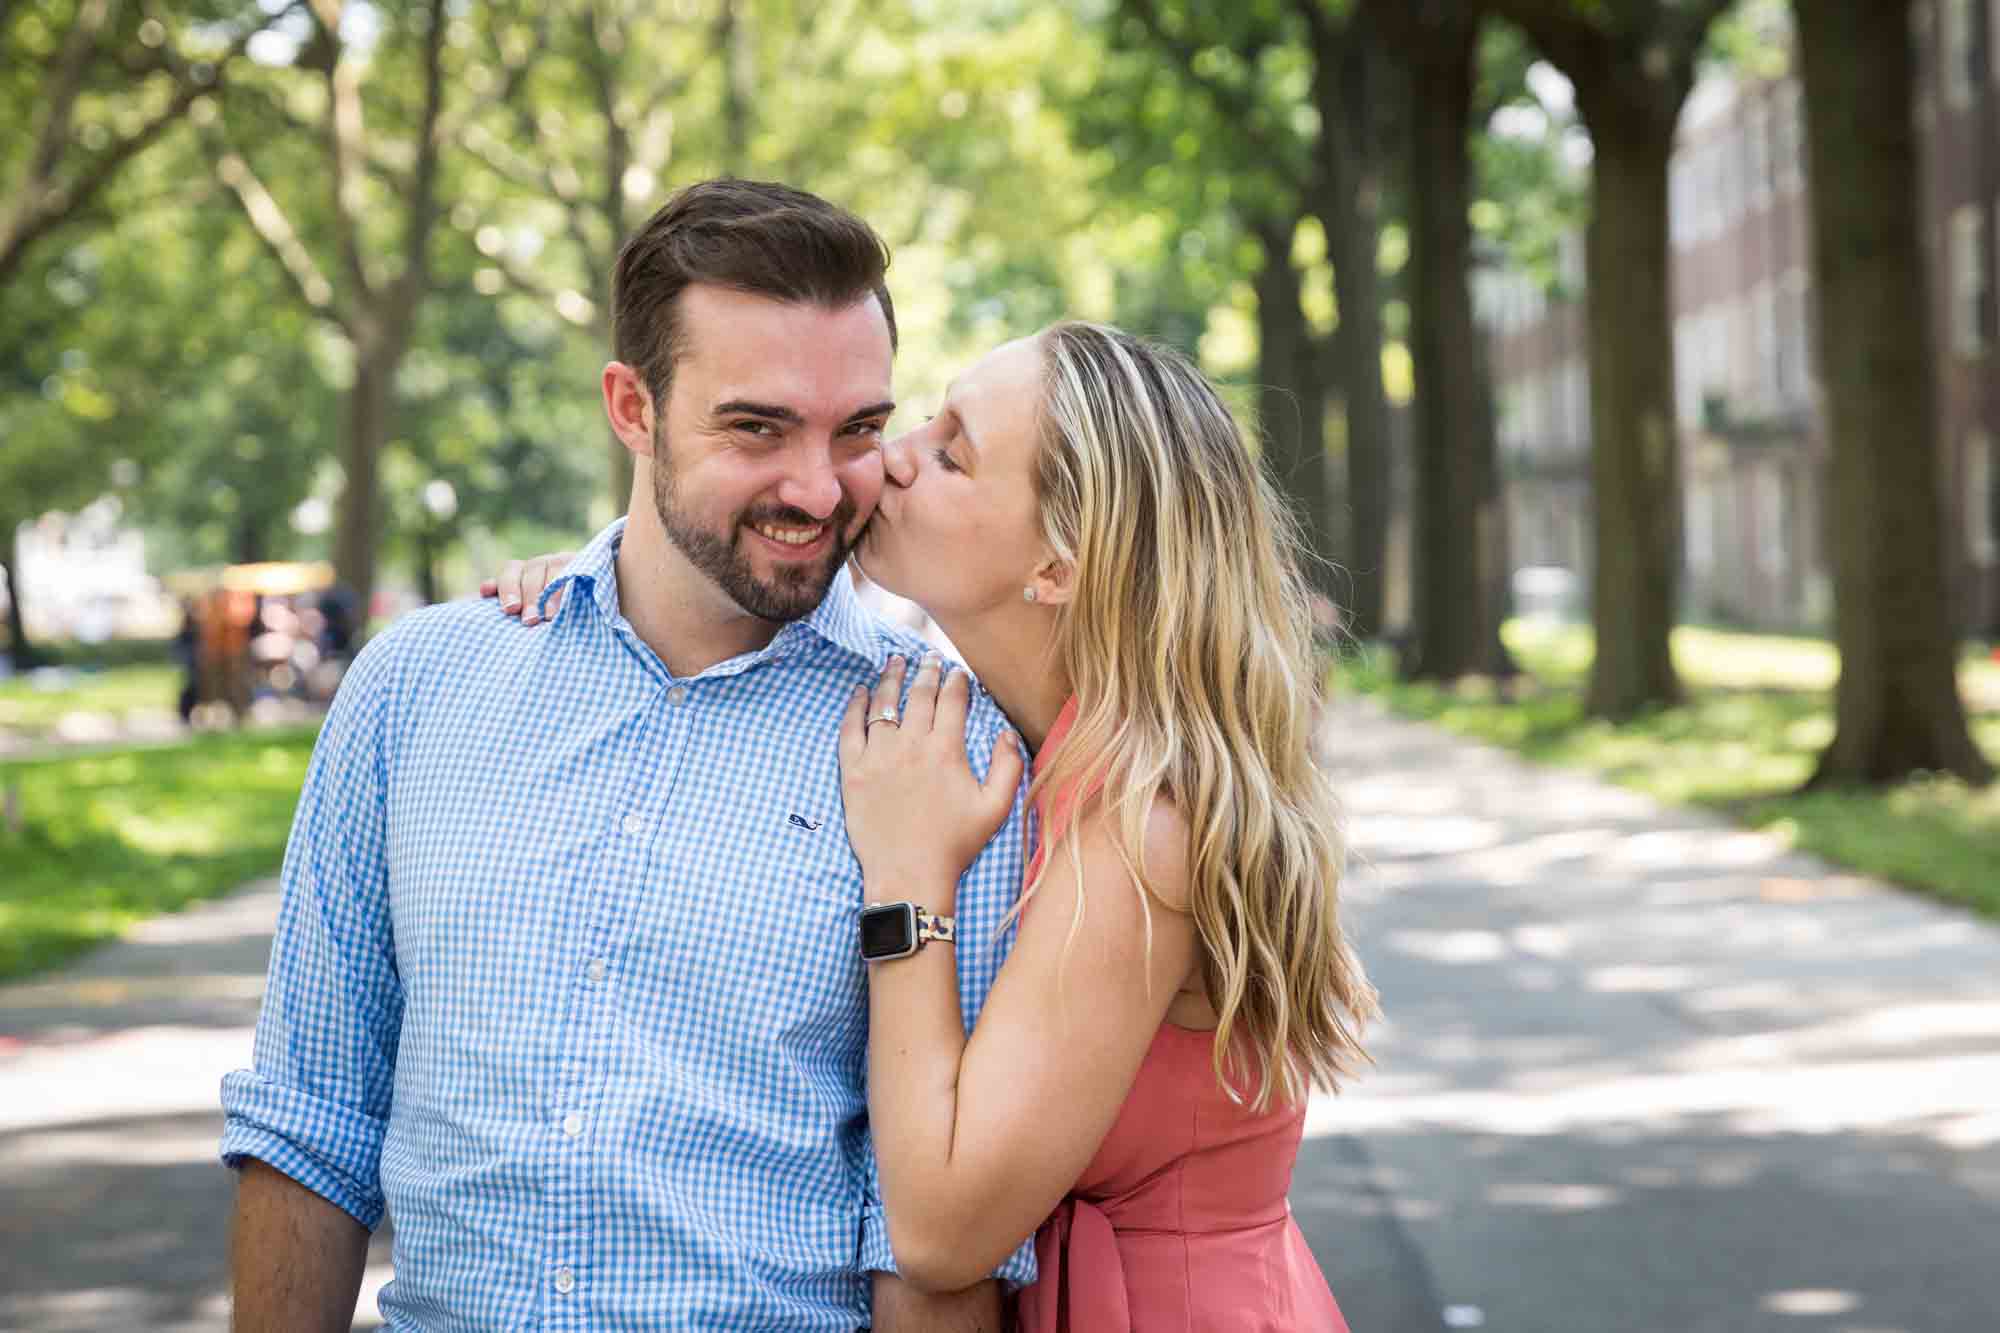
[(618, 157), (1495, 547), (20, 647), (1457, 632), (427, 555), (1347, 80), (1635, 470), (249, 546), (1896, 708), (1991, 627), (1291, 395), (734, 51), (366, 430)]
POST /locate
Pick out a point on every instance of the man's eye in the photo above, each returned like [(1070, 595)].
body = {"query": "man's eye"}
[(764, 428), (944, 460)]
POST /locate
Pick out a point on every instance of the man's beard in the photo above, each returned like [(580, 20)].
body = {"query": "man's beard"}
[(795, 590)]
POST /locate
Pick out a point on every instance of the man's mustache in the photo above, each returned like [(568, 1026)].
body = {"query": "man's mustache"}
[(785, 515)]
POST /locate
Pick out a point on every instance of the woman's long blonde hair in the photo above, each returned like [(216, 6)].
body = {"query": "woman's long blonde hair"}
[(1188, 640)]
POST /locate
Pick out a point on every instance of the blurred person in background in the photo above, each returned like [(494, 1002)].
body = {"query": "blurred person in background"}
[(186, 651)]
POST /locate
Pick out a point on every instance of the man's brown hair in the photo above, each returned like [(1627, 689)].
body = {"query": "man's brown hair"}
[(753, 236)]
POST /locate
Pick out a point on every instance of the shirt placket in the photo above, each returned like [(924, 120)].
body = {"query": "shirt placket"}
[(585, 1087)]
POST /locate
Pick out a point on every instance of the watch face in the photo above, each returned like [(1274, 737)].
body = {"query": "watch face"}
[(888, 931)]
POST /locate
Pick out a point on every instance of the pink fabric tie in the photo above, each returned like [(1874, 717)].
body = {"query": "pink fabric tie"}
[(1082, 1270)]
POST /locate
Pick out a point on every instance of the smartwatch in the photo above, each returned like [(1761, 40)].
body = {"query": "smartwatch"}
[(897, 930)]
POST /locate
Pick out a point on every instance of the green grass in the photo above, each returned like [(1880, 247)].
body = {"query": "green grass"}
[(32, 710), (115, 836), (1758, 713), (105, 653)]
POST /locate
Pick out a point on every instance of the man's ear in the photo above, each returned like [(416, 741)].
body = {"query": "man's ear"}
[(1053, 581), (628, 405)]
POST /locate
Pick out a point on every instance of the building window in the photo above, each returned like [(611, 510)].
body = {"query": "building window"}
[(1757, 164), (1958, 54), (1982, 534), (1708, 335), (1769, 497), (1678, 203), (1687, 372), (1794, 339), (1701, 528), (1579, 394), (1562, 425), (1788, 145), (1992, 45), (1729, 174), (1969, 269), (1570, 261), (1732, 357), (1703, 164), (1764, 332)]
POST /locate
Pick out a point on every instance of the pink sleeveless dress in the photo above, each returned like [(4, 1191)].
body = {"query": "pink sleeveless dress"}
[(1179, 1224)]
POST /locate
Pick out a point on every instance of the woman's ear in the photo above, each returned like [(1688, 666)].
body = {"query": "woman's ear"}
[(1053, 582)]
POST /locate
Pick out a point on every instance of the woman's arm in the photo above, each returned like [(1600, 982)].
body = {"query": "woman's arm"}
[(979, 1139)]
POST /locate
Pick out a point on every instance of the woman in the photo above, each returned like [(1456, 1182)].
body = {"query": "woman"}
[(1136, 1084)]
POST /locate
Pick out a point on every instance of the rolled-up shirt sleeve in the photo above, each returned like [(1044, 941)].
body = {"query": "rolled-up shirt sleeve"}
[(315, 1104), (986, 893)]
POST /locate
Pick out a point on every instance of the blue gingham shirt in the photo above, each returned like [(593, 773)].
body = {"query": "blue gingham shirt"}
[(566, 972)]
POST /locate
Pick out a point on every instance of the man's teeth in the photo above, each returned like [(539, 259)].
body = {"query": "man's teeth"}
[(792, 536)]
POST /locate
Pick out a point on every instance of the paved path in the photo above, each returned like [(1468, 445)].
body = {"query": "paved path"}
[(113, 1208), (1645, 1073)]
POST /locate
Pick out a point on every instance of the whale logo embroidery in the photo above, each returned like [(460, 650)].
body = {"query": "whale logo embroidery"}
[(800, 821)]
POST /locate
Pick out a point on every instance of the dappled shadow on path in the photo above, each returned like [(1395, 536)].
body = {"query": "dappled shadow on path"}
[(119, 1225), (201, 968), (1705, 1229), (1645, 1070)]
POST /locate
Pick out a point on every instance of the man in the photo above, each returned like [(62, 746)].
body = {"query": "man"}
[(566, 974)]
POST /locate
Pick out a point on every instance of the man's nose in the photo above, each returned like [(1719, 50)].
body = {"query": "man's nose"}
[(899, 460), (812, 484)]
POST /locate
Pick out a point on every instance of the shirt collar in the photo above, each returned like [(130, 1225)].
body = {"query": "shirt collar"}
[(839, 619), (593, 573), (842, 621)]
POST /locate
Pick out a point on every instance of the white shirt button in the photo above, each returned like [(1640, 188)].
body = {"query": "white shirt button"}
[(565, 1280), (573, 1124), (677, 695), (634, 825), (597, 970)]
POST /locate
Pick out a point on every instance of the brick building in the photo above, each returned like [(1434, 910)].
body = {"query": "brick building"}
[(1747, 397)]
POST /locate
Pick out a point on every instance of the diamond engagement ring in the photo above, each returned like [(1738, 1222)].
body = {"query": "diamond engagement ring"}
[(886, 715)]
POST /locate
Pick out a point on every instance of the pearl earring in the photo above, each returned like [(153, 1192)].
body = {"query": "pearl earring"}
[(1027, 594)]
